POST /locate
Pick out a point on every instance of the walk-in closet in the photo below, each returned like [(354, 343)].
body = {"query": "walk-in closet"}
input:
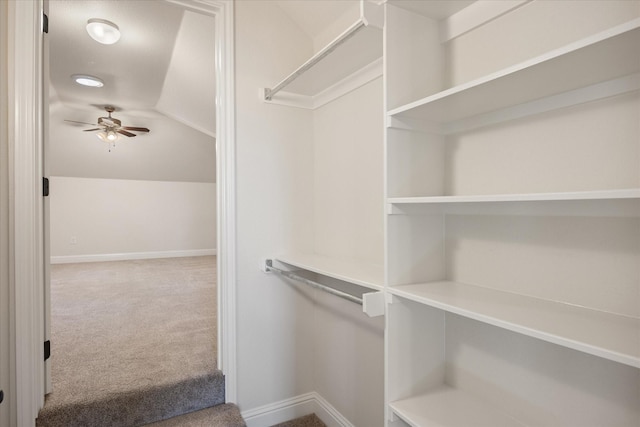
[(476, 182)]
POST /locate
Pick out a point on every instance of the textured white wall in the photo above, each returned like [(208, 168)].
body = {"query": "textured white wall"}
[(133, 218)]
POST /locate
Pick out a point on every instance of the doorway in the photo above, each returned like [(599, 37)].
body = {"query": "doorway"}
[(137, 206), (24, 21)]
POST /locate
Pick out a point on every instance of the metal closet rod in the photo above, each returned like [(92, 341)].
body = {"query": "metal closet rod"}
[(350, 32), (291, 275)]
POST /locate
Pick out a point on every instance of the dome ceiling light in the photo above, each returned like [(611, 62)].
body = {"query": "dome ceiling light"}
[(103, 31), (86, 80)]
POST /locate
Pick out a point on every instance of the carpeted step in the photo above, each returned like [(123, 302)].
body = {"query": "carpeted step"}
[(132, 342), (227, 415), (136, 407)]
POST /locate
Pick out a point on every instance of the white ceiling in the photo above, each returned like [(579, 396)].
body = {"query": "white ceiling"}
[(436, 9), (133, 69), (313, 17), (160, 75)]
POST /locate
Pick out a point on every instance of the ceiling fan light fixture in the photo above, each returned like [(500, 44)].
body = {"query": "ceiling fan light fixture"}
[(85, 80), (108, 136), (103, 31)]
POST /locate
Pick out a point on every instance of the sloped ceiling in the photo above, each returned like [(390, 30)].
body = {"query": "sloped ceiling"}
[(160, 75), (188, 94), (313, 17), (436, 9)]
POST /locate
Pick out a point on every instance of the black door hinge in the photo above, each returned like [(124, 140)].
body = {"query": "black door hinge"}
[(47, 349), (45, 23), (45, 186), (1, 396)]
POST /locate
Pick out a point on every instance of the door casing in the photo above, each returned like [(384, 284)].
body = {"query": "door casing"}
[(26, 128)]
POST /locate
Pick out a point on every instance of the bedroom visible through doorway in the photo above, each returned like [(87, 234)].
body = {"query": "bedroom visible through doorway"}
[(133, 239)]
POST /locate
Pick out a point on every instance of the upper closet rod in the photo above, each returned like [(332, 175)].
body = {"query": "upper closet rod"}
[(291, 275), (350, 32)]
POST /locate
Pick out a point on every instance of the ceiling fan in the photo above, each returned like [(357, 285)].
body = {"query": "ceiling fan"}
[(110, 127)]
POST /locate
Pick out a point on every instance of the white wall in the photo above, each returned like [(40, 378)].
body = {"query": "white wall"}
[(486, 49), (274, 210), (348, 199), (172, 151), (122, 219), (295, 168), (349, 215)]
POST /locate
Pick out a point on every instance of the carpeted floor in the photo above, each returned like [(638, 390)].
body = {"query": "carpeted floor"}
[(306, 421), (125, 327), (228, 417)]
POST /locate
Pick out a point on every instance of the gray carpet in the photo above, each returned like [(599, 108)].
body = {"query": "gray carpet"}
[(226, 415), (311, 420), (132, 342), (229, 416)]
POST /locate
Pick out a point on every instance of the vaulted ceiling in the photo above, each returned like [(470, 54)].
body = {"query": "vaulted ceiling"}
[(160, 75)]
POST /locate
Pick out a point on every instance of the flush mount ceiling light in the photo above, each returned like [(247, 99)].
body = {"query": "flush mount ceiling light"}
[(103, 31), (86, 80)]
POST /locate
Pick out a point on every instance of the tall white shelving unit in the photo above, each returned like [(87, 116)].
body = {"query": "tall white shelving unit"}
[(513, 216)]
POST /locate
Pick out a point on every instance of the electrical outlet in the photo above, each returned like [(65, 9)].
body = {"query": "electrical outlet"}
[(73, 240)]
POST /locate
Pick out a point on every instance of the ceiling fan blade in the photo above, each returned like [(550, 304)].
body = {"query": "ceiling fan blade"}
[(125, 133), (82, 123), (89, 130), (137, 129)]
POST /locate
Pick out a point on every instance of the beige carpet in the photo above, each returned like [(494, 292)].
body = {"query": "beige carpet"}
[(306, 421), (132, 334), (227, 415), (212, 417)]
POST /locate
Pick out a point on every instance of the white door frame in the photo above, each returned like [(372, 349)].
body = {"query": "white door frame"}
[(26, 206), (26, 260)]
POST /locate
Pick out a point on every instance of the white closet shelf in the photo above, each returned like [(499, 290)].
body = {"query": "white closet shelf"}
[(363, 274), (447, 406), (610, 336), (620, 202), (603, 57), (358, 46), (629, 193)]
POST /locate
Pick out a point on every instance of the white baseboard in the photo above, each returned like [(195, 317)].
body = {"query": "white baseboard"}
[(288, 409), (67, 259)]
